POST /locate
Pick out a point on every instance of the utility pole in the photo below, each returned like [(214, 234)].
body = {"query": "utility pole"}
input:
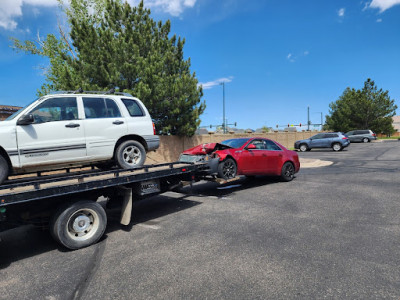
[(223, 107), (308, 118), (321, 121)]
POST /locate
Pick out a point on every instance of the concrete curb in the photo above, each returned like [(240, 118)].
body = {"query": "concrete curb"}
[(313, 163)]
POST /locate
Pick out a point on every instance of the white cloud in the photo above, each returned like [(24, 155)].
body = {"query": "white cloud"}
[(290, 57), (210, 84), (293, 58), (383, 5), (378, 20), (341, 12), (173, 7), (41, 2), (36, 12), (12, 9)]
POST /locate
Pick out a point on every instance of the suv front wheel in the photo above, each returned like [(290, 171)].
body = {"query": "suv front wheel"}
[(130, 154), (303, 148)]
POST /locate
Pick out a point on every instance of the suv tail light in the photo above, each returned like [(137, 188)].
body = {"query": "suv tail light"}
[(154, 129), (373, 134), (345, 138)]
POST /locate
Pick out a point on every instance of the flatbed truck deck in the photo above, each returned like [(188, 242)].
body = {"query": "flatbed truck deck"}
[(68, 203)]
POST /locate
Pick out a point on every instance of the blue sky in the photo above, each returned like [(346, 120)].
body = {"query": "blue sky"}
[(276, 57)]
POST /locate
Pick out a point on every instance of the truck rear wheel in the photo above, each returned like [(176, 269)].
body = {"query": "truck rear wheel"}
[(79, 224), (3, 169)]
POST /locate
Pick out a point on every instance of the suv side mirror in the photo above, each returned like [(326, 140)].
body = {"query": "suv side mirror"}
[(26, 120), (251, 147)]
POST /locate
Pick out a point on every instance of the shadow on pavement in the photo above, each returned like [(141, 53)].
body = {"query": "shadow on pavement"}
[(28, 241)]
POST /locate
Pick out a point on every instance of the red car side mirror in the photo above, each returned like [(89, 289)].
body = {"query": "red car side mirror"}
[(251, 147)]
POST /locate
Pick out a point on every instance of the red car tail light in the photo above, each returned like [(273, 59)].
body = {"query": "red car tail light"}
[(345, 138), (373, 134), (154, 129)]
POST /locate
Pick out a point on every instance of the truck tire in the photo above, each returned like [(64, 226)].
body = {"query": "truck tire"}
[(4, 170), (79, 224), (130, 154)]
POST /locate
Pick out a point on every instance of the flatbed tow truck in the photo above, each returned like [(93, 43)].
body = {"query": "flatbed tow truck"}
[(68, 203)]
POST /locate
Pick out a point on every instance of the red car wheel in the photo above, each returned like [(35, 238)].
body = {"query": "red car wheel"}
[(287, 173), (227, 169)]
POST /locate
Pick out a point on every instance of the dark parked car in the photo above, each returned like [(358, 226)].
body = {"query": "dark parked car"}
[(335, 140), (245, 156), (361, 135)]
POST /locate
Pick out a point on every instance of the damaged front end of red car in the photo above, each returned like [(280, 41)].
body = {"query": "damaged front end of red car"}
[(204, 153)]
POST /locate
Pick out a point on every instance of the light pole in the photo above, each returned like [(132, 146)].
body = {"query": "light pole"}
[(322, 124), (321, 118), (223, 106)]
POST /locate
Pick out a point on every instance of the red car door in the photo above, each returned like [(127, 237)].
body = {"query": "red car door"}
[(273, 158), (253, 158)]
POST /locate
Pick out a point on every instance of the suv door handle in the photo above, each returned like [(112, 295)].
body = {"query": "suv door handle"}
[(72, 125), (118, 122)]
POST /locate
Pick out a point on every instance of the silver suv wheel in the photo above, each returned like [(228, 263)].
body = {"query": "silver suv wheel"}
[(130, 154), (336, 147), (303, 147)]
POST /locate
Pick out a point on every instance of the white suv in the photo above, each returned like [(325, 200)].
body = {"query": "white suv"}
[(71, 129)]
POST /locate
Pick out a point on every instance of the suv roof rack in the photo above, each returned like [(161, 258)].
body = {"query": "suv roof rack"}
[(81, 91)]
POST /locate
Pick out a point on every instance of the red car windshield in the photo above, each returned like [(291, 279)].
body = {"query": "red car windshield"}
[(235, 143)]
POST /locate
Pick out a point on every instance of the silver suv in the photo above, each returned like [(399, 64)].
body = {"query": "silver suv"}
[(75, 129), (335, 140), (361, 135)]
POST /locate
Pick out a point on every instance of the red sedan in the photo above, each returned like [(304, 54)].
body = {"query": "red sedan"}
[(245, 156)]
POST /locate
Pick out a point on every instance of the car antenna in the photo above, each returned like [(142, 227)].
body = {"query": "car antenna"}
[(79, 91)]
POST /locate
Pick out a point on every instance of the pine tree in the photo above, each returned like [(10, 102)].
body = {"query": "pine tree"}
[(368, 108), (113, 44)]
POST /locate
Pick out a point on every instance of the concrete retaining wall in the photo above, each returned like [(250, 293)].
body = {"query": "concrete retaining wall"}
[(172, 146), (396, 134)]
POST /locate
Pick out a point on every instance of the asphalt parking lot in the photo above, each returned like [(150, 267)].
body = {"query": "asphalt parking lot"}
[(333, 232)]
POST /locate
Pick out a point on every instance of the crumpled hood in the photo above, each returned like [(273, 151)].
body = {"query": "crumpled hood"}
[(204, 149)]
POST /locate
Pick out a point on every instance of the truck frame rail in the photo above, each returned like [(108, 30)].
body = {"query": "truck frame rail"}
[(30, 189)]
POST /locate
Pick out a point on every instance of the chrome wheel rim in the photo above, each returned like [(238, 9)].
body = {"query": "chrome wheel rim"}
[(83, 224), (336, 147), (303, 148), (131, 155)]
